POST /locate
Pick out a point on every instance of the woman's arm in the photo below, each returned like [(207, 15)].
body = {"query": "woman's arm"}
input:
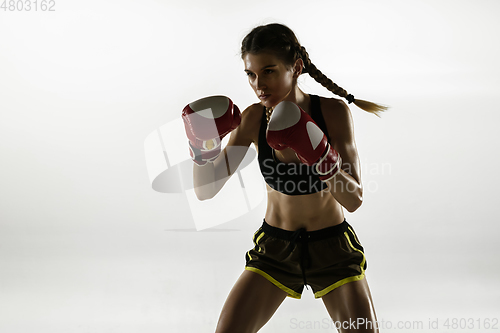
[(346, 186), (209, 179)]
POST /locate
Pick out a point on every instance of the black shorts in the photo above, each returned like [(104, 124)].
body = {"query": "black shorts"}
[(323, 259)]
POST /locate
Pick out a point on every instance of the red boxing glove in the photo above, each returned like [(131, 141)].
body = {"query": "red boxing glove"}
[(290, 126), (207, 121)]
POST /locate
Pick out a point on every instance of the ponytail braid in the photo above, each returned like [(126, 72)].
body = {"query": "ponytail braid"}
[(321, 78)]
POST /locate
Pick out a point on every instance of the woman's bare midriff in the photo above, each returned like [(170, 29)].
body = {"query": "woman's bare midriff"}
[(310, 211), (292, 212)]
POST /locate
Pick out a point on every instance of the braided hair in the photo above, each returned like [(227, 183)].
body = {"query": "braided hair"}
[(280, 40)]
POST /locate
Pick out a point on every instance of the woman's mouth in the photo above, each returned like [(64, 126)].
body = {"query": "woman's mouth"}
[(264, 96)]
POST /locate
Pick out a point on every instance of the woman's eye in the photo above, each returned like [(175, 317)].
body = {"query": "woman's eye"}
[(268, 71), (250, 74)]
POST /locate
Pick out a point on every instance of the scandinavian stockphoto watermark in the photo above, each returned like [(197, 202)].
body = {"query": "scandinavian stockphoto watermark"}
[(28, 6), (283, 177), (170, 170), (400, 325)]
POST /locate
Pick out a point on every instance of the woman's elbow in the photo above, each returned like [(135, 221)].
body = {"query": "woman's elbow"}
[(210, 190), (203, 197), (356, 202), (202, 193), (353, 206)]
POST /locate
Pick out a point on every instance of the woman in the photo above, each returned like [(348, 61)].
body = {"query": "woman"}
[(304, 239)]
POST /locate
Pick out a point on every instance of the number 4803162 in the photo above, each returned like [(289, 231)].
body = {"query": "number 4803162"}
[(28, 5)]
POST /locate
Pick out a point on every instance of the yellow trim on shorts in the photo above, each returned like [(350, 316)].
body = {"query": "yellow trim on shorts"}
[(355, 237), (291, 293), (337, 284), (257, 241), (355, 249), (255, 233), (259, 249)]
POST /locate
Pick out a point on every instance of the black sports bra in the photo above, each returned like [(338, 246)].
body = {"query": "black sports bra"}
[(290, 178)]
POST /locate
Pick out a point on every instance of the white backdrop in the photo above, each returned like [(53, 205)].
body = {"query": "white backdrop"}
[(87, 246)]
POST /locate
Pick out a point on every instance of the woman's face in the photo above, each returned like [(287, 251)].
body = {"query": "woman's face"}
[(269, 77)]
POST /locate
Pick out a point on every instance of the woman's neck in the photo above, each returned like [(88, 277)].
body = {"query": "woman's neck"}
[(300, 98)]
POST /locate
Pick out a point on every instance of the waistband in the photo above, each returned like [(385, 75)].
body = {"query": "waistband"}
[(314, 235)]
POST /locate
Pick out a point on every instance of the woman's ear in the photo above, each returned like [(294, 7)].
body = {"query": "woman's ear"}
[(297, 68)]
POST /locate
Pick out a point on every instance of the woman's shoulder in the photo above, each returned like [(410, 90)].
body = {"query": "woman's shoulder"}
[(253, 111), (250, 122), (337, 116), (333, 106), (252, 115)]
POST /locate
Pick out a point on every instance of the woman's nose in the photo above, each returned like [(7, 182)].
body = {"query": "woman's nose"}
[(260, 83)]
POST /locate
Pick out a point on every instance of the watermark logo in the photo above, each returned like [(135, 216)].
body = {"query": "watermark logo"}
[(170, 170), (431, 324)]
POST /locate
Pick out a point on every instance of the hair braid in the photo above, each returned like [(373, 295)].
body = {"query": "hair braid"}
[(316, 74), (282, 42), (321, 78)]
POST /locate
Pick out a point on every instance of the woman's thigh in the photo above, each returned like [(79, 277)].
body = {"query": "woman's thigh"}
[(351, 307), (250, 304)]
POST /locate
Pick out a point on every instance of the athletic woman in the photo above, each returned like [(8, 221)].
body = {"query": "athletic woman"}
[(308, 158)]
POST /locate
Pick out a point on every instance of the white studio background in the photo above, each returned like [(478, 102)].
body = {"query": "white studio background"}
[(87, 246)]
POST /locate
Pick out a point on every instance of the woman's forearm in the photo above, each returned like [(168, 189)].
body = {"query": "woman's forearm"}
[(209, 179), (203, 180)]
